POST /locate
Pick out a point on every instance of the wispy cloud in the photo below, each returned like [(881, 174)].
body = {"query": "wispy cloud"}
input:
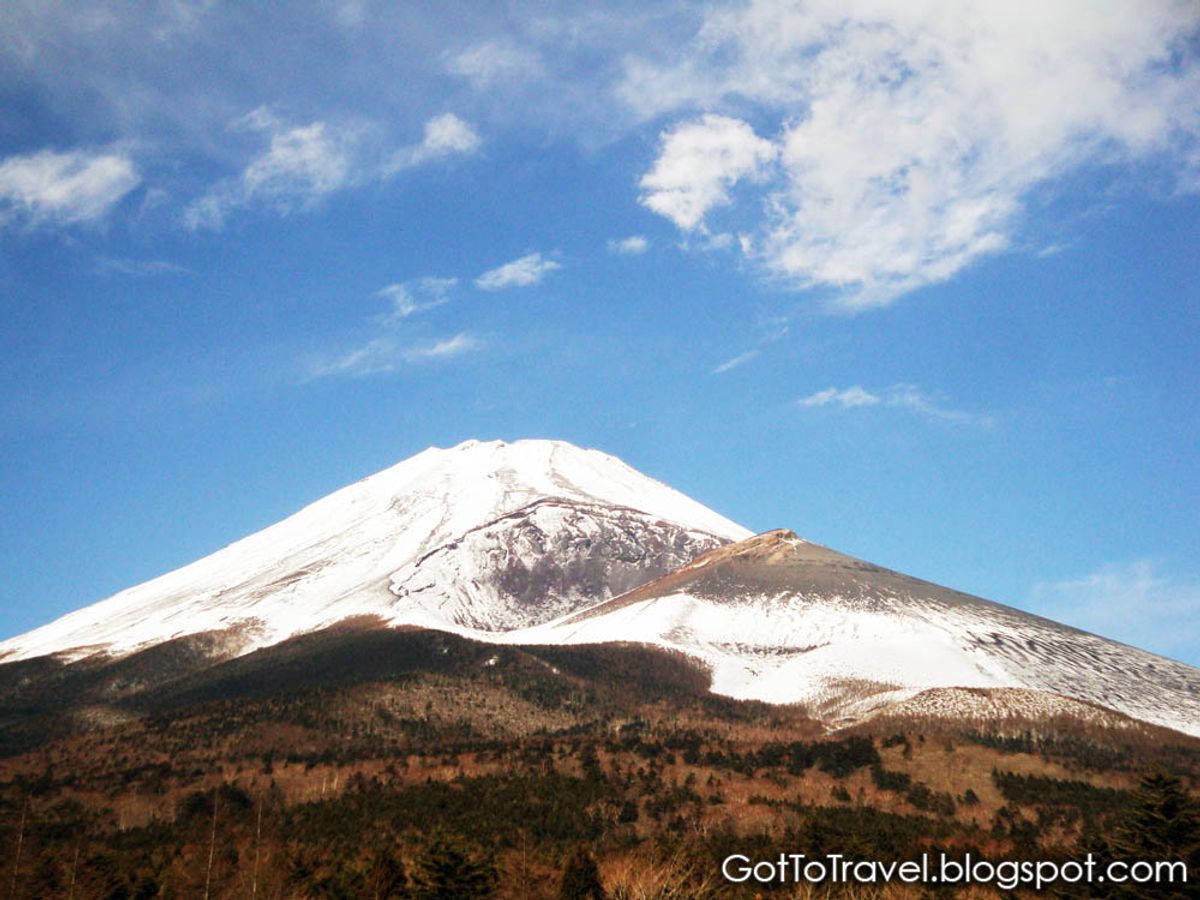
[(898, 396), (846, 398), (769, 330), (454, 346), (735, 361), (417, 295), (909, 396), (446, 135), (387, 353), (909, 136), (376, 356), (303, 163), (1052, 250), (59, 188), (1135, 602), (300, 165), (489, 62), (138, 268), (523, 272), (389, 350), (634, 245)]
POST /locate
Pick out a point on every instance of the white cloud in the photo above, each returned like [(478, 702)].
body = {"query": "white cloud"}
[(385, 354), (634, 245), (445, 135), (735, 361), (415, 296), (847, 398), (302, 164), (912, 134), (698, 163), (1134, 602), (490, 62), (454, 346), (376, 356), (523, 272), (306, 161), (75, 186), (909, 396), (898, 396)]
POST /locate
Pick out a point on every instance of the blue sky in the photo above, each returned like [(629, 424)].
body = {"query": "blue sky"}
[(919, 281)]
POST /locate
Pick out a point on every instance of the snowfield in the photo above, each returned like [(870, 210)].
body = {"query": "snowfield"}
[(849, 639)]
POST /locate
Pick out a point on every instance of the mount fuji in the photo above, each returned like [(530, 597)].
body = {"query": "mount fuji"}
[(480, 537), (542, 543)]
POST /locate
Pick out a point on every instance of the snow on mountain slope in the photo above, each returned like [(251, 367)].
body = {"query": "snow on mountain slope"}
[(447, 538), (543, 560), (783, 620), (534, 542)]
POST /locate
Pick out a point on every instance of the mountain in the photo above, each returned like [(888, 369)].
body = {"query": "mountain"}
[(482, 536), (534, 635), (780, 619), (540, 544)]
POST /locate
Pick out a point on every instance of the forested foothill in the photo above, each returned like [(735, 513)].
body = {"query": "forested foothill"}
[(393, 764)]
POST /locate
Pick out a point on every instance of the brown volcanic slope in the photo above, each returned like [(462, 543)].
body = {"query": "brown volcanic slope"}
[(781, 619)]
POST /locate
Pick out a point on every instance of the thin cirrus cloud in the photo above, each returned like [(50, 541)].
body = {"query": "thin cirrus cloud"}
[(897, 144), (898, 396), (442, 349), (385, 354), (1140, 600), (376, 356), (491, 62), (733, 362), (523, 272), (301, 164), (50, 187), (418, 295), (846, 398), (634, 245)]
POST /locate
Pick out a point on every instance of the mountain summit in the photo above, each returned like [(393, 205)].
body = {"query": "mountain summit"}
[(485, 535)]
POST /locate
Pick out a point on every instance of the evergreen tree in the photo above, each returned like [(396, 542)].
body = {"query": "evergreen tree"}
[(1164, 823), (448, 872), (1162, 826), (581, 878)]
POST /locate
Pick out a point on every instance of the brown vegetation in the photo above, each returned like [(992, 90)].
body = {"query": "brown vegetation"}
[(331, 770)]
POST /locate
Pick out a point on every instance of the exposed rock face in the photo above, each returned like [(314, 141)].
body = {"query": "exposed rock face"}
[(543, 560)]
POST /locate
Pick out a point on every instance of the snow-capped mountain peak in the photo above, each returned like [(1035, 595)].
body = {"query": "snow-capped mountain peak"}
[(414, 544), (541, 542)]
